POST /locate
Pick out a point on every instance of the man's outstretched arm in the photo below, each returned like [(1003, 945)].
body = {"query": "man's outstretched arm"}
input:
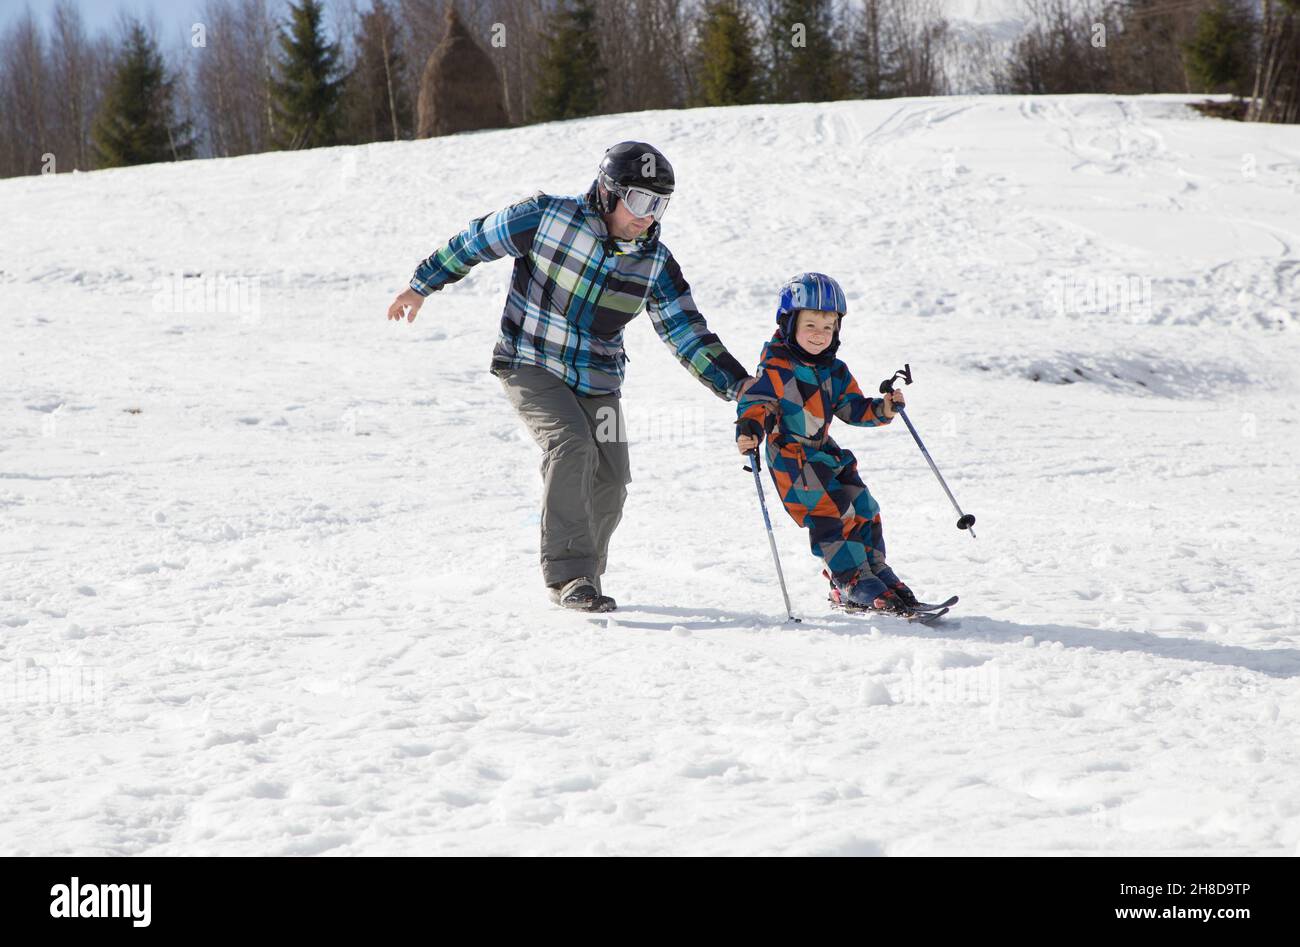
[(507, 232)]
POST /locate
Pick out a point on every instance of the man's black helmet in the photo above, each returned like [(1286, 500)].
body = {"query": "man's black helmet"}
[(634, 164), (640, 165)]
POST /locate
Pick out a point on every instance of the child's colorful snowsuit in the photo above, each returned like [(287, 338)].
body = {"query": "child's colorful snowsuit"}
[(792, 402)]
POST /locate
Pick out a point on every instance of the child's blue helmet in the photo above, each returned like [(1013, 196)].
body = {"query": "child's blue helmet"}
[(809, 291)]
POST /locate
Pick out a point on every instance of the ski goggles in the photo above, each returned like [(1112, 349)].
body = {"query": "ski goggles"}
[(638, 201)]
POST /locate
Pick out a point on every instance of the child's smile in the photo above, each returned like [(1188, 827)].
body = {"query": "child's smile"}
[(814, 330)]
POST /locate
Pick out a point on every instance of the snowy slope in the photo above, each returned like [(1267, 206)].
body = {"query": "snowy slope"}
[(268, 578)]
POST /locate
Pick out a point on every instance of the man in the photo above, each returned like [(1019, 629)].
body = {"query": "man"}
[(584, 267)]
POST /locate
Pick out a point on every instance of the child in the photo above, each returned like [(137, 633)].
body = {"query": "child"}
[(800, 385)]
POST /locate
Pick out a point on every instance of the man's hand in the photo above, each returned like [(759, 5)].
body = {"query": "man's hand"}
[(407, 303), (893, 401), (747, 443)]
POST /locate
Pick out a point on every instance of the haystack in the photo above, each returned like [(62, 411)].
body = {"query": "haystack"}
[(460, 90)]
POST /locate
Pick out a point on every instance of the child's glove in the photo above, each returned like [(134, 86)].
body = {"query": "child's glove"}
[(748, 434), (893, 401)]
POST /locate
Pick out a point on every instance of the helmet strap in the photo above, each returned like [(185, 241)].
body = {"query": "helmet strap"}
[(609, 201)]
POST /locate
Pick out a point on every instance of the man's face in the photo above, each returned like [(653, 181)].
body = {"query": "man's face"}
[(622, 225), (814, 330)]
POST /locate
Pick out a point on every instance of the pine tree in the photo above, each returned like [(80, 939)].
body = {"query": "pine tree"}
[(307, 88), (135, 123), (572, 75), (729, 72), (808, 66), (1219, 54)]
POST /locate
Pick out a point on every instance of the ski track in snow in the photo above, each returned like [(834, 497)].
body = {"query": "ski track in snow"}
[(268, 580)]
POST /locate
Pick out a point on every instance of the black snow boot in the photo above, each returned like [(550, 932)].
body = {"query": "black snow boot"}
[(581, 594)]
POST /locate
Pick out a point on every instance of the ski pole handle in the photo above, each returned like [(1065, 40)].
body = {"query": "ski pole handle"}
[(904, 373), (753, 455)]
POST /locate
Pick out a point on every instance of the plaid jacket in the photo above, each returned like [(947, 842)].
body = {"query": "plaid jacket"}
[(573, 291)]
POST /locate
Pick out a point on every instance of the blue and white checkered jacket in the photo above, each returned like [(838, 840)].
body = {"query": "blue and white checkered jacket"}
[(573, 291)]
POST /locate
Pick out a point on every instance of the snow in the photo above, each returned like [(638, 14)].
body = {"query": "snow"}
[(268, 577)]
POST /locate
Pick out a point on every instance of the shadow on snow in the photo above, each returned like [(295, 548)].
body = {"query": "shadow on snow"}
[(1274, 662)]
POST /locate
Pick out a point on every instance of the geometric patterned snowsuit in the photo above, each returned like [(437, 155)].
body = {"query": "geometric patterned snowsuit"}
[(817, 480)]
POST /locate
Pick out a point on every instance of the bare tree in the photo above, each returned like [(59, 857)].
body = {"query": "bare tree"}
[(1065, 48), (1147, 51), (646, 46), (25, 92), (918, 34), (1276, 93), (77, 71), (232, 76), (896, 47), (377, 104), (868, 47), (421, 23), (520, 22)]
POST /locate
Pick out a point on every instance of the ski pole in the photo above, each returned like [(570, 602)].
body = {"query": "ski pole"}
[(771, 539), (967, 520)]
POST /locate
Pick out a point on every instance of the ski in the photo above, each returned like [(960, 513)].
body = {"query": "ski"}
[(935, 606), (936, 609), (920, 617)]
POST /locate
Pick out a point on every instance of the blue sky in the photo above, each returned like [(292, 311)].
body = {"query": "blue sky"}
[(172, 16)]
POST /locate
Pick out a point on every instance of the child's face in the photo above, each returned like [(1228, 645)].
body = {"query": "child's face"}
[(814, 330)]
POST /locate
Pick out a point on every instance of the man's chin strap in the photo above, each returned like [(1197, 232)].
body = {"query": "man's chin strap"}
[(606, 204)]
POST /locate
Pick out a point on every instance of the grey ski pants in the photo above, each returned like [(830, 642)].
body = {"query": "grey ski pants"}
[(585, 469)]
